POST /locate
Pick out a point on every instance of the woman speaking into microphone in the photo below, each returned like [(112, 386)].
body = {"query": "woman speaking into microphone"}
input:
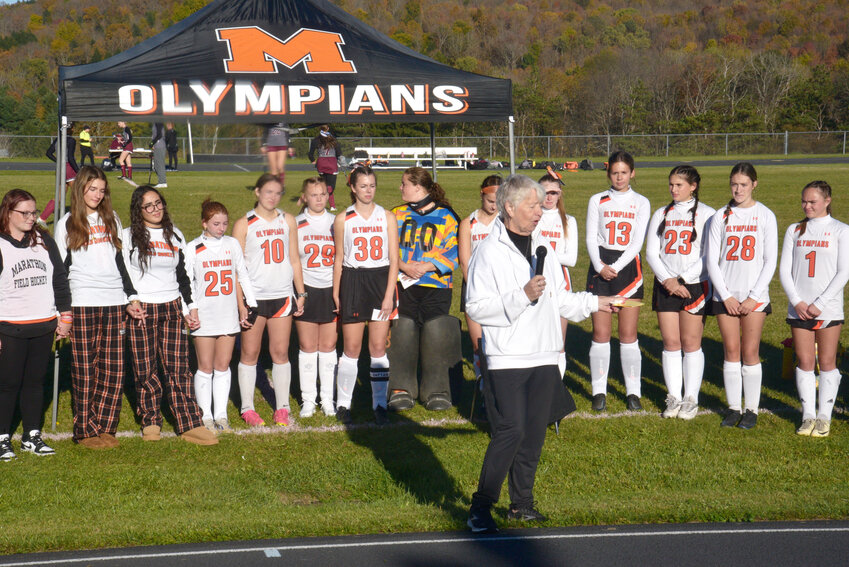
[(518, 305)]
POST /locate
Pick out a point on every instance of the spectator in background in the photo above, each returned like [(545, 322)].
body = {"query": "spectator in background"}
[(125, 160), (71, 169), (275, 146), (326, 163), (85, 145), (157, 143), (171, 146)]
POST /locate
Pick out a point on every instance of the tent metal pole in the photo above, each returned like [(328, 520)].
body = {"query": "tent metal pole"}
[(512, 144), (433, 150), (58, 211), (191, 149)]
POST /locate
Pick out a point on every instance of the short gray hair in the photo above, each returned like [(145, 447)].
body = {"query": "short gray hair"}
[(515, 189)]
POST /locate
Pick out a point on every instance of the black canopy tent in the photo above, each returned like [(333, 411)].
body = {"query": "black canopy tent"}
[(263, 61)]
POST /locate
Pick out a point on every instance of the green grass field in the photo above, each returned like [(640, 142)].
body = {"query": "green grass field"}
[(315, 479)]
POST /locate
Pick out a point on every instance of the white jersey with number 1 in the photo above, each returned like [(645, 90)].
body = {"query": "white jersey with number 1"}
[(212, 264), (316, 248), (478, 230), (564, 240), (366, 240), (267, 256), (815, 266)]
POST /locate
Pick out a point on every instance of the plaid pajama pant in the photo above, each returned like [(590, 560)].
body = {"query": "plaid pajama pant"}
[(160, 339), (97, 372)]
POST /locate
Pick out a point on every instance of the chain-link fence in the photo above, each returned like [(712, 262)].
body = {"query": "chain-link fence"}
[(555, 148)]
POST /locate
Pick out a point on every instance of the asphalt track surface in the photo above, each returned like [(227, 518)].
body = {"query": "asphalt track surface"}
[(256, 166), (752, 544)]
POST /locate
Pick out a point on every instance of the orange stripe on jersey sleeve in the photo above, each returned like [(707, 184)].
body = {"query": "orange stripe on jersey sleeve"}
[(303, 223), (252, 218), (350, 214), (200, 247), (604, 199)]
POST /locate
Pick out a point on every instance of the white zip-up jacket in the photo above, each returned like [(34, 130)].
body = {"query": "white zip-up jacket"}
[(516, 333)]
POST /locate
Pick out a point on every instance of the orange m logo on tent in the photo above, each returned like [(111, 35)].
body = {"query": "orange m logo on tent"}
[(254, 50)]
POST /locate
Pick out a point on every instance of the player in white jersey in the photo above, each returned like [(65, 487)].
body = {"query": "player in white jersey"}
[(269, 239), (742, 252), (471, 232), (216, 268), (675, 244), (616, 228), (317, 329), (364, 277), (814, 270), (561, 232)]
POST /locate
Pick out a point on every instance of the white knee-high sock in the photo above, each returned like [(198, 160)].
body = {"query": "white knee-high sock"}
[(307, 370), (327, 375), (599, 364), (247, 385), (379, 375), (220, 393), (733, 377), (281, 376), (632, 366), (829, 384), (806, 383), (694, 369), (673, 372), (752, 378), (346, 378), (561, 363), (203, 393)]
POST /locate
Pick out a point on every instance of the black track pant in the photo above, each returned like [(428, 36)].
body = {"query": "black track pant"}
[(518, 403), (23, 363)]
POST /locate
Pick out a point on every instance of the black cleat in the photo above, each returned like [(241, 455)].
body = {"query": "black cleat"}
[(599, 402), (480, 520), (438, 402), (401, 400), (732, 418), (632, 403), (343, 415), (381, 416), (525, 515), (749, 420)]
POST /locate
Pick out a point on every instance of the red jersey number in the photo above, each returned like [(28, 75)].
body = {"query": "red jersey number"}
[(745, 247), (368, 248), (218, 285), (618, 233), (326, 252), (685, 245), (273, 251)]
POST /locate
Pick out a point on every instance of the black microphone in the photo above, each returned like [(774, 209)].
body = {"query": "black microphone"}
[(541, 252)]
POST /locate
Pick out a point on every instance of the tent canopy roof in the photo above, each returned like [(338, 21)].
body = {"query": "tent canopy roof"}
[(277, 61)]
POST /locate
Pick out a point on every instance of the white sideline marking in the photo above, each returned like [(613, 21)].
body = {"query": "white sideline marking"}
[(272, 553), (240, 167), (477, 539)]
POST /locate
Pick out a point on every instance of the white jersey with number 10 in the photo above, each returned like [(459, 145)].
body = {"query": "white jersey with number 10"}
[(267, 256)]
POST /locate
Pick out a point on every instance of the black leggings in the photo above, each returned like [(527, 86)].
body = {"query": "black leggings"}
[(23, 363)]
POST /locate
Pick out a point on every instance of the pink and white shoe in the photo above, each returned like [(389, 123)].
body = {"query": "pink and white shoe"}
[(281, 417), (253, 419)]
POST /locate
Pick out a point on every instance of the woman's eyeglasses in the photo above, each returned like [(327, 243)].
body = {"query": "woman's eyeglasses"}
[(150, 207), (28, 214)]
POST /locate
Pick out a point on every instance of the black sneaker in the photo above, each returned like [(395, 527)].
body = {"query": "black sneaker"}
[(438, 402), (632, 402), (749, 420), (381, 416), (525, 515), (6, 452), (480, 520), (343, 415), (731, 419), (33, 443), (599, 402), (401, 400)]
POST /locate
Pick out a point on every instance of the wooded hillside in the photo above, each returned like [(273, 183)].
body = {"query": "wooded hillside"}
[(578, 66)]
